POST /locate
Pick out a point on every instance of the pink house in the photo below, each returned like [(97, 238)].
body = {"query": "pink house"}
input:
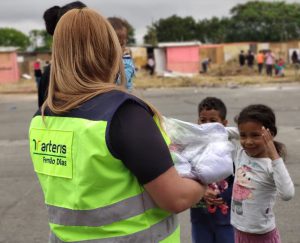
[(9, 71), (181, 56)]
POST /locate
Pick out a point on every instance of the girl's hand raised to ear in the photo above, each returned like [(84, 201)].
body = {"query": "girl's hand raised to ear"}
[(269, 144)]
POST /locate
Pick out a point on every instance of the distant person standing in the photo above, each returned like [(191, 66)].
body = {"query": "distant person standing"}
[(260, 58), (295, 59), (151, 65), (37, 72), (250, 59), (47, 63), (242, 58), (270, 59), (205, 64)]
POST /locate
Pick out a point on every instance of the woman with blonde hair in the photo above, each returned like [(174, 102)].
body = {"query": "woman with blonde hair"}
[(101, 158)]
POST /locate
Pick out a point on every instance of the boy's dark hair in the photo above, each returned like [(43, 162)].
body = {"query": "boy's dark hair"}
[(213, 103), (264, 115), (53, 14)]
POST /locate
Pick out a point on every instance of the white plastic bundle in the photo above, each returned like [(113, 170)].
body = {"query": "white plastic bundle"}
[(200, 152)]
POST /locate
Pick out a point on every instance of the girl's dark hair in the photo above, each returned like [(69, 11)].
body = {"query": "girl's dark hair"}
[(264, 115), (53, 14)]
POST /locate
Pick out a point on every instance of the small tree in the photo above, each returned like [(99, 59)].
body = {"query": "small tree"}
[(173, 28), (13, 37), (213, 30), (151, 36), (131, 39), (264, 21)]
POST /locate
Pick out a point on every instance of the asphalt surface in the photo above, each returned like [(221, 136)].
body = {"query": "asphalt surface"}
[(22, 212)]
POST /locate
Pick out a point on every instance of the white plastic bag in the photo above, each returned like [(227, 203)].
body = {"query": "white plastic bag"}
[(200, 152)]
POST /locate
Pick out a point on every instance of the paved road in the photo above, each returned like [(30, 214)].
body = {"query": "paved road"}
[(23, 215)]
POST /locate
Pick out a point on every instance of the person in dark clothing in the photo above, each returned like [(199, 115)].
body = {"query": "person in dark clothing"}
[(250, 59), (151, 65), (43, 87), (295, 59), (205, 64), (242, 58), (51, 17), (37, 73)]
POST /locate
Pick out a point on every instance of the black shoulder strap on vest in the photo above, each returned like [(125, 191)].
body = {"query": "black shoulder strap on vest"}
[(101, 107)]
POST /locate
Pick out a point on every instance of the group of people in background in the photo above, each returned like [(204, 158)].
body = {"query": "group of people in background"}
[(264, 59), (246, 59)]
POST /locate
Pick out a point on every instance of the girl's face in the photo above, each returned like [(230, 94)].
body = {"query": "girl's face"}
[(251, 139)]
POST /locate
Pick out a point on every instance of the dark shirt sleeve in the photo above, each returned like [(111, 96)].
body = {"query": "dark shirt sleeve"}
[(43, 87), (136, 140)]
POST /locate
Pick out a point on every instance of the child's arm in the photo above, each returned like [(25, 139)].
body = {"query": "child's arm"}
[(233, 133), (233, 136), (283, 181)]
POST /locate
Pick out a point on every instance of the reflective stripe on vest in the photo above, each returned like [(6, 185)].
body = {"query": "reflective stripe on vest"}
[(101, 216), (156, 233)]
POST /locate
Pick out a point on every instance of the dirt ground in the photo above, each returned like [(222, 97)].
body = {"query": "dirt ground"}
[(223, 75), (229, 75)]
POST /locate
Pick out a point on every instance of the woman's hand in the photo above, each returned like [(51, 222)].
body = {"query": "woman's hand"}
[(269, 144), (174, 193)]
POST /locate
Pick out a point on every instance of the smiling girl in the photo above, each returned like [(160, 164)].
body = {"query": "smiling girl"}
[(260, 175)]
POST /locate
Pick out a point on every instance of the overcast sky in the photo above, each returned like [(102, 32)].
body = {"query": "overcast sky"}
[(27, 15)]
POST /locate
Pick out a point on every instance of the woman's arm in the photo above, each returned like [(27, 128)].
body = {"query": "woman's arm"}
[(174, 193), (137, 141)]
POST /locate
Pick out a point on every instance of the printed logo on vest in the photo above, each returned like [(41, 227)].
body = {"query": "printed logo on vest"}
[(51, 152)]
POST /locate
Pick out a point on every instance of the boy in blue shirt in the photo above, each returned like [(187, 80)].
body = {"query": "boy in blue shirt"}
[(210, 218)]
